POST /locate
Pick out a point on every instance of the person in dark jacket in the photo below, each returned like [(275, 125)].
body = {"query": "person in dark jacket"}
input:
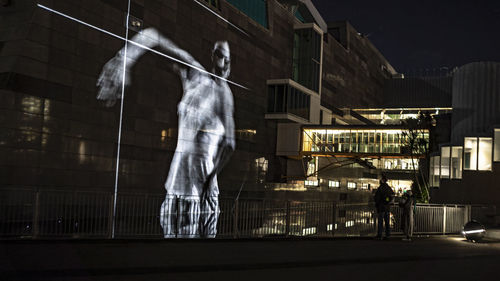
[(384, 196), (407, 205)]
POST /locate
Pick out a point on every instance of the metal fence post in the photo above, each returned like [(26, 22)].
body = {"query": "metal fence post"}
[(36, 215), (178, 216), (110, 216), (235, 218), (444, 219), (334, 218), (467, 213), (287, 219)]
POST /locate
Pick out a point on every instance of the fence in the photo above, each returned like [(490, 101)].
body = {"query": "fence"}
[(58, 214)]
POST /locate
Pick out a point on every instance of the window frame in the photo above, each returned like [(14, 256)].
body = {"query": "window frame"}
[(441, 176), (490, 154), (463, 157), (496, 142)]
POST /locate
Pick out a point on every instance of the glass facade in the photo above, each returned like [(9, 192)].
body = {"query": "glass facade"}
[(434, 171), (456, 162), (307, 58), (285, 98), (484, 155), (470, 154), (395, 163), (357, 141), (255, 9), (445, 162)]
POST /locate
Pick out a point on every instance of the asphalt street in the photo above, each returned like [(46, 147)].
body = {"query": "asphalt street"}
[(425, 258)]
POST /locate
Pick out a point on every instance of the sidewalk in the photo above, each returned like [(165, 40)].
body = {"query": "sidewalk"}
[(425, 258)]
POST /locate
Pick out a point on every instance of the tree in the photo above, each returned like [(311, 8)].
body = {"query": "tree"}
[(415, 143)]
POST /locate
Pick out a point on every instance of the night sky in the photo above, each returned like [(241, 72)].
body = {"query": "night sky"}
[(419, 35)]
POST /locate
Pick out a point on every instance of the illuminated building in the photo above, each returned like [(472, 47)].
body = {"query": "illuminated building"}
[(313, 93), (466, 168)]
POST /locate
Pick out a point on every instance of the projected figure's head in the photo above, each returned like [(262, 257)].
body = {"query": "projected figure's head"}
[(221, 59)]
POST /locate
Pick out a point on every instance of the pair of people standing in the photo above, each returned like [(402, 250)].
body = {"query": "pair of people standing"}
[(384, 197)]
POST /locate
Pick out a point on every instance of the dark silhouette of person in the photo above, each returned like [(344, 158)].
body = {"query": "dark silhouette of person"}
[(407, 204), (384, 196)]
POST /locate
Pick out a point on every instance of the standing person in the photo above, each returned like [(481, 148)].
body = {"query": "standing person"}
[(407, 204), (384, 196), (205, 137)]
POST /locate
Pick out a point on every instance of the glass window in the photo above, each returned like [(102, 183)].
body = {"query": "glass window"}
[(334, 183), (434, 171), (311, 183), (484, 159), (351, 185), (255, 9), (214, 3), (496, 156), (470, 154), (287, 99), (445, 162), (456, 162), (306, 58), (346, 141), (271, 99)]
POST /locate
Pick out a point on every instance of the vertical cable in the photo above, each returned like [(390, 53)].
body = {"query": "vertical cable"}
[(120, 124)]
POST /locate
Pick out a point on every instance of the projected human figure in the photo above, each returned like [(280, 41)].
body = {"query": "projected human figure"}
[(205, 137)]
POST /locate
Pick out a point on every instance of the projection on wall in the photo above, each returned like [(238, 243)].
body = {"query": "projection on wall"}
[(206, 131)]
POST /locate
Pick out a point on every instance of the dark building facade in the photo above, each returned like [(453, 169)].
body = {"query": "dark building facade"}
[(291, 74), (57, 135)]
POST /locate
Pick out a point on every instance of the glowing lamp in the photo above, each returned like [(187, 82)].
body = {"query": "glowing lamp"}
[(473, 231)]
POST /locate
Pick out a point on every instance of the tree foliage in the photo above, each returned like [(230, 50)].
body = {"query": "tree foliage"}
[(415, 143)]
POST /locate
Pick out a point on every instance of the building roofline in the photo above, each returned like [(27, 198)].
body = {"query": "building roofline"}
[(316, 15)]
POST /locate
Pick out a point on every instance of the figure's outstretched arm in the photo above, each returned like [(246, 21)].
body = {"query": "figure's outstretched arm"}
[(111, 77), (151, 38)]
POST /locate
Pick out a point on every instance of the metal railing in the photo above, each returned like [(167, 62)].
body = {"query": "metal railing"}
[(78, 214)]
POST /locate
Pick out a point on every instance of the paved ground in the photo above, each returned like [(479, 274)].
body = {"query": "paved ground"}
[(425, 258)]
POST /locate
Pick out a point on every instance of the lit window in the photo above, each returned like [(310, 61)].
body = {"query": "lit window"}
[(311, 183), (388, 164), (334, 183), (365, 186), (456, 162), (351, 185), (309, 231), (445, 162), (341, 140), (496, 156), (434, 171), (484, 159), (470, 154), (330, 227)]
